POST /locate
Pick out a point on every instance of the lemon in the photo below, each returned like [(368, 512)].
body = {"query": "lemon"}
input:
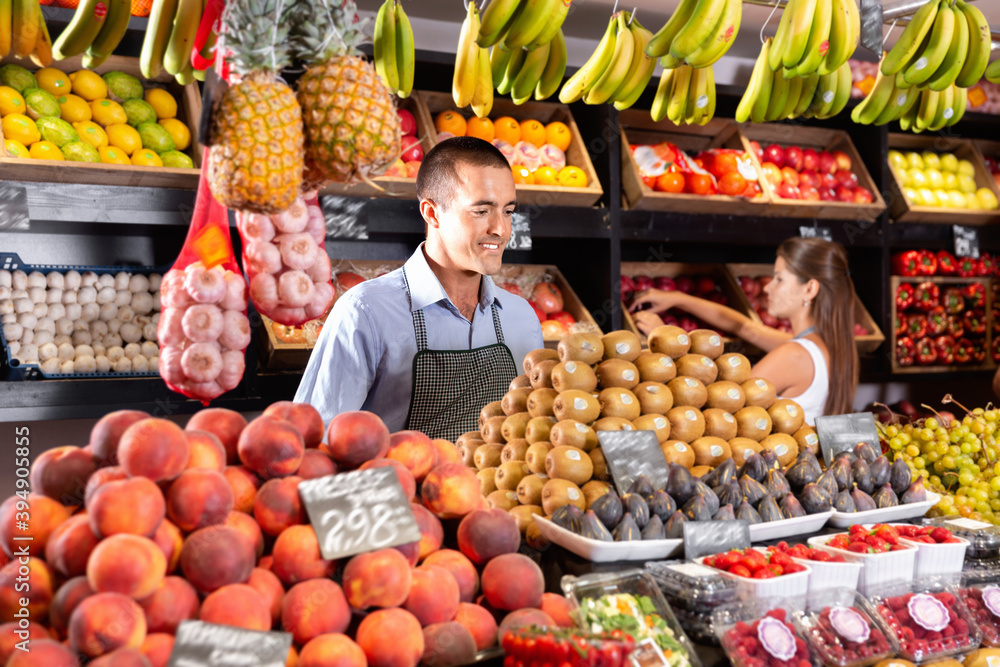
[(108, 112), (162, 102), (74, 108), (10, 101), (112, 155), (15, 148), (125, 137), (19, 127), (178, 131), (89, 85), (45, 150), (92, 133), (146, 158), (53, 80)]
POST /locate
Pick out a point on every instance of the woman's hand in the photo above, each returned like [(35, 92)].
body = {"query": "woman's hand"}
[(646, 321), (659, 300)]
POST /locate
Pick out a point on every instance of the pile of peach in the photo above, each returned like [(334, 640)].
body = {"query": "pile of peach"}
[(150, 525)]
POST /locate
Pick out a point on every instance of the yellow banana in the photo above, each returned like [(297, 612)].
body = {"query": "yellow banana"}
[(482, 97), (463, 84), (899, 103), (758, 113), (499, 58), (24, 27), (799, 29), (82, 28), (978, 55), (779, 96), (385, 45), (944, 109), (961, 103), (952, 64), (819, 39), (583, 79), (928, 62), (845, 32), (42, 55), (710, 111), (809, 87), (154, 43), (110, 36), (928, 110), (723, 36), (531, 73), (555, 69), (794, 95), (761, 70), (876, 100), (992, 72), (678, 94), (6, 18), (826, 95), (659, 108), (639, 73), (697, 97), (660, 44), (177, 56), (497, 18), (405, 52), (909, 118), (697, 29), (553, 25), (906, 47), (613, 77), (530, 21), (781, 38), (514, 65), (845, 83)]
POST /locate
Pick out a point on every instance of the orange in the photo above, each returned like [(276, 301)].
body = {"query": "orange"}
[(545, 176), (732, 183), (141, 7), (450, 121), (670, 182), (700, 184), (481, 128), (558, 135), (572, 177), (533, 132), (522, 175), (507, 129)]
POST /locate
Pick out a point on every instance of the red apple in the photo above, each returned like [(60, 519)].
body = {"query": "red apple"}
[(845, 194), (846, 178), (687, 324), (757, 150), (413, 151), (827, 163), (827, 194), (809, 179), (538, 312), (407, 123), (511, 287), (642, 283), (808, 193), (788, 191), (767, 318), (562, 316), (776, 154), (772, 172), (348, 279), (665, 283), (548, 297), (718, 297), (828, 180), (764, 281), (863, 195), (670, 320), (684, 284), (843, 160), (705, 285), (859, 330), (750, 286), (627, 286), (810, 160), (794, 158), (790, 176)]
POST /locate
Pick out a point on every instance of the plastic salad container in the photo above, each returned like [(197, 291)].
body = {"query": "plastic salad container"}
[(844, 630), (982, 598), (693, 591), (761, 632)]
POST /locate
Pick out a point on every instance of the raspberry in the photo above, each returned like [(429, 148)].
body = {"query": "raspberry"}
[(948, 631), (777, 613)]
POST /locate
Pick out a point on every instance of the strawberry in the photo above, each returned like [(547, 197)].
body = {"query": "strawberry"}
[(794, 567), (887, 533), (837, 558), (941, 534), (753, 561), (857, 529), (820, 556), (776, 569), (860, 547), (840, 541), (726, 560), (739, 570), (764, 573), (877, 543), (898, 547), (781, 559)]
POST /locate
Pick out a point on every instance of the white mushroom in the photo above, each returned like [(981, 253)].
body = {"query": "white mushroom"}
[(123, 298), (45, 324), (59, 339), (88, 279), (5, 278), (37, 294), (66, 351), (13, 331), (51, 367), (7, 307), (105, 280), (109, 311), (8, 318), (149, 331), (121, 280), (73, 311), (157, 306), (106, 295), (114, 353), (98, 328), (19, 279), (114, 325), (82, 338), (125, 314), (28, 353), (53, 295), (85, 364), (132, 350), (90, 312), (102, 363), (150, 349), (69, 296), (123, 365), (42, 337), (23, 306), (55, 280), (87, 295), (140, 364), (73, 280), (82, 349), (64, 326), (28, 336), (37, 279), (138, 283), (14, 347), (156, 318), (97, 348), (154, 364), (40, 310), (67, 367), (112, 340), (130, 333), (27, 320), (5, 292), (47, 351), (154, 282), (142, 303)]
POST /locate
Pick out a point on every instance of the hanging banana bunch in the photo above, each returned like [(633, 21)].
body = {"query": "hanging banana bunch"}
[(517, 24), (473, 79), (698, 33), (815, 36), (395, 55), (685, 96), (525, 74)]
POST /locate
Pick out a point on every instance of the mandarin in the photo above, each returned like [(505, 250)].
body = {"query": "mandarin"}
[(522, 175), (670, 182), (700, 184), (481, 128), (450, 121), (572, 177), (507, 129), (732, 183), (546, 175), (558, 135), (533, 132)]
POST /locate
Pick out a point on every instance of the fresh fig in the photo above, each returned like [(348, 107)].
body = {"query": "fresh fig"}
[(635, 505), (680, 484), (916, 493), (711, 500), (879, 469), (754, 468), (642, 486), (815, 500), (696, 509), (841, 470), (725, 513), (884, 497), (568, 517), (770, 460), (731, 494), (900, 477), (662, 505), (850, 456), (748, 513), (653, 529), (675, 526), (844, 503), (828, 482), (592, 528), (862, 501), (862, 476), (721, 474), (791, 507), (777, 485), (810, 459), (768, 509), (865, 451), (801, 474), (752, 490), (626, 530), (608, 509)]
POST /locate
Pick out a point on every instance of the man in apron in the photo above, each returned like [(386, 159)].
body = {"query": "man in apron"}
[(426, 346)]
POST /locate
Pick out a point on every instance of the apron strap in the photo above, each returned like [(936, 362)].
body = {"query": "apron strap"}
[(419, 326), (496, 324)]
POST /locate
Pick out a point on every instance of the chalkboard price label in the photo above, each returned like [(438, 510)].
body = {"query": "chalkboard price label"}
[(199, 644), (520, 232), (702, 538), (816, 233), (966, 241), (840, 433), (359, 511), (633, 453)]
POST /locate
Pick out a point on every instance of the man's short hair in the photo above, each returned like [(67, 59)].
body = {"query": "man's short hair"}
[(439, 169)]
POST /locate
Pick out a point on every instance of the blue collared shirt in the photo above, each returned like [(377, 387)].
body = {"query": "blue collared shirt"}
[(363, 359)]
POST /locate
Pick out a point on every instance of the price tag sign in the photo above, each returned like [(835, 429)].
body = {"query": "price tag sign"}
[(359, 511), (633, 453), (199, 644), (520, 232), (816, 233), (702, 538), (648, 654), (840, 433), (871, 26), (966, 241)]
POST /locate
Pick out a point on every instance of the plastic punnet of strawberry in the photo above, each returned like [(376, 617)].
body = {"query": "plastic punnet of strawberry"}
[(534, 645), (754, 563), (983, 601), (844, 630), (879, 538)]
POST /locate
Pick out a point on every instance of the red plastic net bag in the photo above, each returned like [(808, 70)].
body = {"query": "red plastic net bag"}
[(203, 330), (286, 262)]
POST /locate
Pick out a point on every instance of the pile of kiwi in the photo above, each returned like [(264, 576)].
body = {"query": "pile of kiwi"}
[(537, 448)]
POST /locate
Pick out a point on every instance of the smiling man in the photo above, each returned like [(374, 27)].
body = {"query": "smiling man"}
[(426, 346)]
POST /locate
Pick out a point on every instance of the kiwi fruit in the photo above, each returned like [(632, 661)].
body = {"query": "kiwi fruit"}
[(619, 402), (687, 390), (700, 471), (585, 347), (601, 472), (502, 500), (726, 395), (706, 342), (617, 373), (656, 423), (489, 411), (686, 423), (697, 366), (569, 463), (487, 456), (594, 489), (719, 424), (535, 456), (520, 382), (487, 480), (492, 430), (576, 404), (524, 515), (678, 452), (733, 367), (515, 400), (573, 375), (559, 492), (535, 356), (786, 416), (538, 429), (654, 397), (613, 424), (515, 450), (540, 402), (669, 340), (510, 474), (784, 447), (742, 448), (541, 374), (469, 435), (760, 393), (753, 422), (467, 450), (709, 451), (655, 367), (513, 427), (529, 490), (571, 433), (806, 438), (621, 345)]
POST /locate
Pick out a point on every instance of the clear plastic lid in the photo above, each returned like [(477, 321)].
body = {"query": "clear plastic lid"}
[(928, 617), (844, 629), (984, 569), (629, 601), (761, 631), (984, 538), (696, 586), (982, 597)]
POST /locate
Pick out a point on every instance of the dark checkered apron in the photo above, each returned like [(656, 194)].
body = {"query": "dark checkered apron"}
[(450, 387)]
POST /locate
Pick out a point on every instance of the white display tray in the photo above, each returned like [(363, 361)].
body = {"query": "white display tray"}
[(606, 552), (775, 530), (911, 511)]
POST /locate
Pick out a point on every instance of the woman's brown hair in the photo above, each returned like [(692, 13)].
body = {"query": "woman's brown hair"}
[(832, 310)]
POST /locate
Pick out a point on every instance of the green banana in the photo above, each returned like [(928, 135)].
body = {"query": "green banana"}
[(697, 29), (930, 59), (81, 31), (826, 95), (678, 94), (530, 21), (177, 56), (583, 79), (809, 87), (659, 46), (978, 55), (952, 64), (496, 19), (385, 45), (514, 65), (758, 113), (499, 58), (110, 36), (845, 32), (552, 26), (869, 109), (723, 37), (911, 40), (405, 53), (819, 40), (779, 96), (710, 111), (618, 69), (842, 95), (531, 73), (639, 73), (899, 103), (697, 97), (781, 37), (992, 72), (154, 42), (794, 93), (760, 70), (555, 68), (961, 103), (800, 28), (658, 110)]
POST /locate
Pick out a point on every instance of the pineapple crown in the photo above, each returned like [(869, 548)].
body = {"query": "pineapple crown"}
[(255, 34), (327, 29)]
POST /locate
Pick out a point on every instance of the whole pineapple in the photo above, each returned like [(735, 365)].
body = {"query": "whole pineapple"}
[(256, 159), (351, 126)]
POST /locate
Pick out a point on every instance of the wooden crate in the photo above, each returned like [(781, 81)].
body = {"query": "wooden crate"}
[(865, 344), (394, 186), (903, 209), (637, 127), (819, 139), (545, 113), (988, 363), (55, 171)]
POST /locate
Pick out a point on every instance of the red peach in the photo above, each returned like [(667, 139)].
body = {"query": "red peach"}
[(415, 451), (174, 601), (126, 564), (271, 447), (513, 581), (107, 433), (244, 483), (206, 451), (134, 506), (314, 607), (238, 605), (28, 523), (434, 596), (199, 498), (16, 586), (432, 533), (101, 477), (66, 599), (557, 607), (249, 528), (402, 472), (448, 644), (522, 618), (70, 545), (225, 424), (332, 650), (266, 563), (62, 473), (122, 657), (316, 464), (451, 490), (461, 568), (485, 534), (215, 556), (297, 556), (447, 452), (377, 579), (157, 648), (44, 653), (269, 586), (154, 448), (304, 417), (411, 552), (357, 436), (104, 622), (170, 540), (12, 634), (479, 622), (407, 646), (278, 505)]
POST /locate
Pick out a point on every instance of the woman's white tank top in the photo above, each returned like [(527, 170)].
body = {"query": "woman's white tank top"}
[(813, 399)]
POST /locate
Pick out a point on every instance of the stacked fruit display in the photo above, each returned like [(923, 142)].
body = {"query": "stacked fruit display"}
[(940, 180), (940, 324), (547, 300), (85, 117), (666, 168), (911, 263), (206, 523), (408, 163), (753, 287), (804, 173), (703, 286)]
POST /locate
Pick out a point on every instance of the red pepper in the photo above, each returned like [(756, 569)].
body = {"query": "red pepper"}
[(937, 321), (947, 265), (986, 265), (955, 327), (974, 322), (953, 301), (968, 267), (926, 352), (963, 351), (996, 349), (904, 296), (916, 326), (900, 324), (975, 294), (905, 350), (978, 351), (945, 348), (928, 264), (906, 263), (926, 296)]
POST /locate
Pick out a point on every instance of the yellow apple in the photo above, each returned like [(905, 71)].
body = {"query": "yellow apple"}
[(931, 160), (987, 199), (956, 199), (949, 162), (916, 162), (935, 180), (965, 167), (972, 202), (950, 180), (966, 184), (927, 197), (913, 196), (942, 197), (917, 178), (897, 159)]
